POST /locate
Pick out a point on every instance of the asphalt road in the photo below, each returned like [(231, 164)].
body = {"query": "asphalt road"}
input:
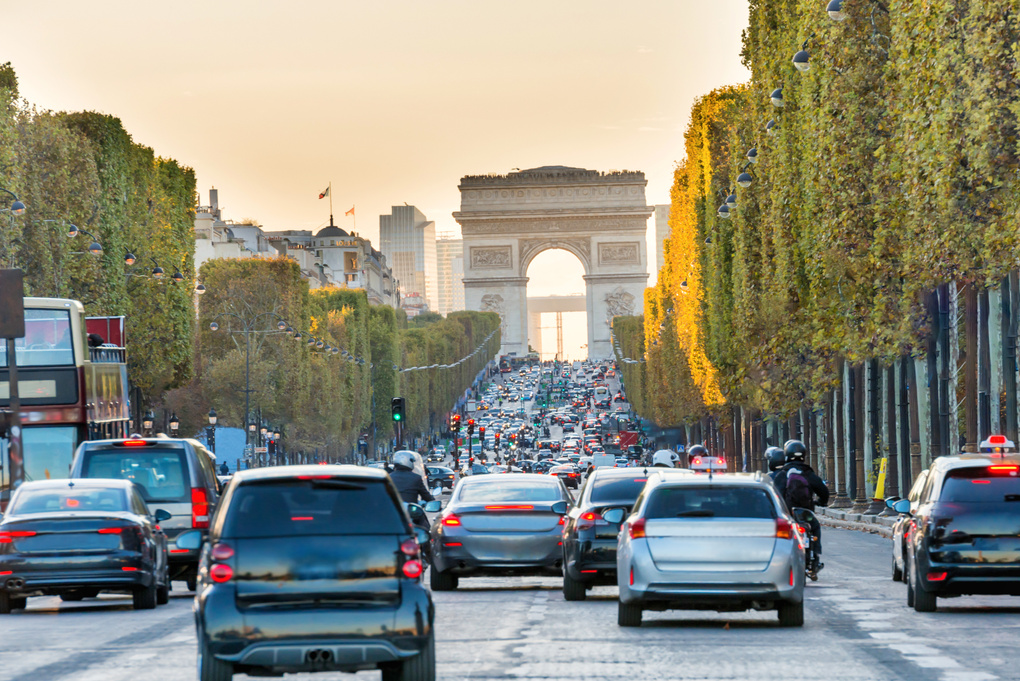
[(857, 627)]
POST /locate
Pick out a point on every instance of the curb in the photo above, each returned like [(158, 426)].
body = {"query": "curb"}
[(860, 522)]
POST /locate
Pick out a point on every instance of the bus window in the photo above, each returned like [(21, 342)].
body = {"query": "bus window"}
[(47, 340), (49, 451)]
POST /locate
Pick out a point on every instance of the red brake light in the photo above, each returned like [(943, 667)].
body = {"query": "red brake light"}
[(981, 482), (302, 517), (452, 543), (199, 508), (134, 443), (791, 576), (110, 530), (412, 569), (314, 477), (637, 529), (409, 547), (221, 573), (784, 530), (511, 507), (8, 537), (6, 572), (937, 576), (1008, 470), (129, 569), (696, 462), (222, 552), (997, 439), (451, 520)]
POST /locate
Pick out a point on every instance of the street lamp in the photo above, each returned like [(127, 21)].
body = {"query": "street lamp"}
[(777, 98), (211, 431), (147, 421), (17, 208), (129, 257), (802, 61), (835, 10), (175, 423)]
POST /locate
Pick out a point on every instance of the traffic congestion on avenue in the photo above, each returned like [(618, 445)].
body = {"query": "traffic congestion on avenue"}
[(484, 559)]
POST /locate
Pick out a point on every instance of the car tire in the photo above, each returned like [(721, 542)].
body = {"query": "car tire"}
[(897, 573), (144, 597), (163, 590), (924, 601), (573, 590), (421, 667), (628, 614), (209, 668), (192, 581), (442, 581), (790, 614)]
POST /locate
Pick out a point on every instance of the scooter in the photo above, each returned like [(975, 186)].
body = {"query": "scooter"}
[(811, 530)]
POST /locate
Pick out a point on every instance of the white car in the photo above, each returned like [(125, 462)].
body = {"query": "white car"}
[(701, 542)]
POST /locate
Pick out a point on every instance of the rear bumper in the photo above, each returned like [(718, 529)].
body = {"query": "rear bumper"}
[(593, 562), (58, 581), (460, 560), (969, 578)]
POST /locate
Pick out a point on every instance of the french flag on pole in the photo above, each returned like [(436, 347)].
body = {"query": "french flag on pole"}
[(324, 193)]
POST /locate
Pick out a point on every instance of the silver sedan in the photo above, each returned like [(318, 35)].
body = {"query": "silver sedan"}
[(723, 543), (499, 525)]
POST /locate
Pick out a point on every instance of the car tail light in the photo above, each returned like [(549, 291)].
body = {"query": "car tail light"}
[(129, 569), (562, 520), (1004, 470), (314, 477), (937, 576), (220, 573), (451, 520), (784, 530), (222, 551), (6, 572), (637, 529), (412, 569), (410, 547), (452, 543), (199, 508), (632, 576), (110, 530), (587, 520), (134, 443), (512, 507), (791, 576), (11, 535)]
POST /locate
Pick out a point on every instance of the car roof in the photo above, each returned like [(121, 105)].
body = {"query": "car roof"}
[(606, 472), (523, 478), (685, 476), (970, 460), (91, 483), (287, 472)]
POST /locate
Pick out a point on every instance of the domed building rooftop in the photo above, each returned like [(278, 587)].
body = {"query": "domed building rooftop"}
[(332, 230)]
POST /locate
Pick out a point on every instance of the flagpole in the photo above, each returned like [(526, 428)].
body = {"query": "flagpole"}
[(330, 203)]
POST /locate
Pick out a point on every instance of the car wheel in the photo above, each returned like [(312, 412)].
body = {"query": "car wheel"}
[(628, 614), (421, 667), (193, 581), (442, 581), (144, 597), (209, 668), (5, 603), (573, 590), (924, 601), (163, 590), (790, 614), (897, 573)]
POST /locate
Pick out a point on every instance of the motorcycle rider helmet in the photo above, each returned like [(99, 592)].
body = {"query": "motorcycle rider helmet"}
[(795, 451), (775, 457), (403, 459), (696, 450)]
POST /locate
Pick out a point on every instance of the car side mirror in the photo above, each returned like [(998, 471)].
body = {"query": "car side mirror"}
[(803, 516), (415, 511), (422, 535), (613, 516), (434, 506), (161, 516), (902, 506), (190, 540), (890, 501), (438, 491), (560, 507)]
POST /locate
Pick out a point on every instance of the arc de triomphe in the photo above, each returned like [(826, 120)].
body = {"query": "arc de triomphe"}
[(507, 220)]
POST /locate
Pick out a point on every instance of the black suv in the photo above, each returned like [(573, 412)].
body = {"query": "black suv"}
[(312, 568), (589, 540)]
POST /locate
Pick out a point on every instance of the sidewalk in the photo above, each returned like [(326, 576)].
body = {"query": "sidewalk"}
[(875, 524)]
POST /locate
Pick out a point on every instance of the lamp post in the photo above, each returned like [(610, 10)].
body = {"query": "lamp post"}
[(175, 424), (147, 421), (211, 431)]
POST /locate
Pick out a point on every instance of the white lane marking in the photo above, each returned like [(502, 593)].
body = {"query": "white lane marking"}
[(935, 662), (965, 675), (912, 648)]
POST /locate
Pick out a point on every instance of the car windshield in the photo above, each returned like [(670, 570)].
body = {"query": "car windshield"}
[(691, 501), (328, 506), (68, 499), (982, 484), (616, 489), (162, 474), (509, 492)]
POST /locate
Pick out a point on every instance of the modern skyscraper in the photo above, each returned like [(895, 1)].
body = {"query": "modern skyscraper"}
[(661, 232), (408, 240), (450, 257)]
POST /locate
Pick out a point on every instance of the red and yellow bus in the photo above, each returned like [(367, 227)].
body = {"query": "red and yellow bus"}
[(72, 387)]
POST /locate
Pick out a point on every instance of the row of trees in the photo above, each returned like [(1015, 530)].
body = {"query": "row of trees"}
[(324, 399), (83, 169), (887, 171)]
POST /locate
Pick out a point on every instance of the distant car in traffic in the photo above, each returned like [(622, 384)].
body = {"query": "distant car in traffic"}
[(77, 538), (441, 476), (567, 473), (694, 543), (313, 569), (902, 524), (499, 525)]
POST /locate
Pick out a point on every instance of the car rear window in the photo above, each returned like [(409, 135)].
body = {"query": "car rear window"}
[(509, 492), (334, 506), (617, 489), (161, 474), (982, 484), (70, 499), (710, 502)]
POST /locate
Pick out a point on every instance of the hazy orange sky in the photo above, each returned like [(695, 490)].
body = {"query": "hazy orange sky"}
[(391, 100)]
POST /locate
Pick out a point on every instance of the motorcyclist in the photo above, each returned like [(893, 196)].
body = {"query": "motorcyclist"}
[(409, 484), (798, 485), (775, 458)]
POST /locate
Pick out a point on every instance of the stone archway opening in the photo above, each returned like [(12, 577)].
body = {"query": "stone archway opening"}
[(557, 305)]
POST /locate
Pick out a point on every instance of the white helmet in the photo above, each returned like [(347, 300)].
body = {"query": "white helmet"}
[(665, 458), (403, 458)]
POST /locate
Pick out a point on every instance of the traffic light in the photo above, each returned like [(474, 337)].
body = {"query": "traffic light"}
[(455, 423), (397, 407), (471, 423), (481, 432)]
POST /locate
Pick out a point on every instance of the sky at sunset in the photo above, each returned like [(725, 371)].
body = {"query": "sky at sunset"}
[(391, 100)]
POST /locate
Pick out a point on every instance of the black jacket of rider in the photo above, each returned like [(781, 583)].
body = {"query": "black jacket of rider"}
[(409, 485), (814, 481)]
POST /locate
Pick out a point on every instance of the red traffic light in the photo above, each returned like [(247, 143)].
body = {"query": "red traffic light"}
[(482, 430), (471, 422)]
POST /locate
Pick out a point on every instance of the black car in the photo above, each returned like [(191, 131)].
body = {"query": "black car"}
[(75, 538), (312, 568), (440, 476), (589, 540), (899, 535), (964, 536)]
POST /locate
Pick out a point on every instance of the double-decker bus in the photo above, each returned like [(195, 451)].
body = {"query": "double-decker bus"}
[(72, 387)]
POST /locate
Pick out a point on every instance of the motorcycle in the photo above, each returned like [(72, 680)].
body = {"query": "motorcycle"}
[(810, 530), (421, 522)]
